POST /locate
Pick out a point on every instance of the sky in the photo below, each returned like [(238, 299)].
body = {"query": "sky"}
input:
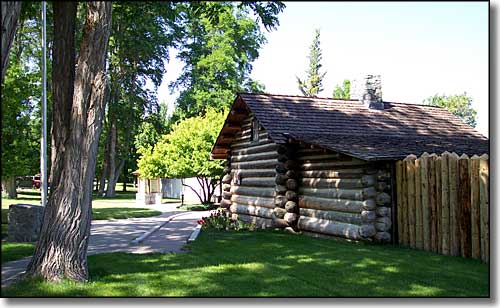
[(419, 48)]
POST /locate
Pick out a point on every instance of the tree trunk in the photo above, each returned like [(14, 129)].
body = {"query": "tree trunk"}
[(104, 171), (110, 192), (61, 251), (125, 178), (9, 187), (112, 183), (10, 16)]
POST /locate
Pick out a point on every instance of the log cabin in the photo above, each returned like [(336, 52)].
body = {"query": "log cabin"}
[(327, 166)]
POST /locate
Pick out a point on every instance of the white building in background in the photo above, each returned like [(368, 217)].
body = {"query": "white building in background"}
[(173, 188)]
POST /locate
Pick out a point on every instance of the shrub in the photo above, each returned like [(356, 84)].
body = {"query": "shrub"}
[(221, 220)]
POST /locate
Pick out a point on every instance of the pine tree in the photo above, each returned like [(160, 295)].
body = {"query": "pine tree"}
[(312, 85)]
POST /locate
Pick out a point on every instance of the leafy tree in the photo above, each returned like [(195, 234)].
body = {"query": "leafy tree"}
[(312, 85), (61, 251), (459, 104), (343, 91), (218, 53), (185, 152)]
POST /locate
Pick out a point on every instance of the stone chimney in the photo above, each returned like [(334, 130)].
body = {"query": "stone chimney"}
[(369, 91)]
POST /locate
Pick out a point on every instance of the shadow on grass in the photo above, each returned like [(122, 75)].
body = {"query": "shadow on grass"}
[(267, 263)]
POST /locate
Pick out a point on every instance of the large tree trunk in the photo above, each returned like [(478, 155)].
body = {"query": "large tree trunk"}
[(61, 251), (9, 187), (110, 192), (104, 171), (10, 17)]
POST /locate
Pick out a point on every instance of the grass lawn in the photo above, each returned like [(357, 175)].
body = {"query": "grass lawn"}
[(194, 207), (15, 251), (270, 263)]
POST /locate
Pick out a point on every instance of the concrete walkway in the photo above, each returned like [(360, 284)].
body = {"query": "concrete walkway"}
[(116, 236)]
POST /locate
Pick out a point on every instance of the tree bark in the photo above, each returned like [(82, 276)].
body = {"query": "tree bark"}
[(61, 251), (9, 186), (110, 191), (104, 171), (10, 17)]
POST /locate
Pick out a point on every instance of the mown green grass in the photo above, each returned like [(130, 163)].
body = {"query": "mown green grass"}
[(16, 251), (122, 213), (270, 263), (194, 207)]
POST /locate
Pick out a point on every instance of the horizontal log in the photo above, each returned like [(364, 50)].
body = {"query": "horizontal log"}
[(318, 157), (383, 211), (340, 229), (291, 195), (280, 179), (240, 140), (339, 193), (280, 223), (341, 205), (255, 172), (256, 149), (256, 156), (291, 207), (253, 191), (259, 222), (367, 231), (383, 198), (251, 210), (258, 182), (258, 164), (245, 200), (280, 189), (383, 224), (226, 194), (291, 174), (226, 179), (225, 203), (291, 184), (368, 216), (338, 173), (365, 181), (351, 218), (291, 218), (280, 201), (383, 237), (279, 212), (332, 164), (226, 187), (249, 144)]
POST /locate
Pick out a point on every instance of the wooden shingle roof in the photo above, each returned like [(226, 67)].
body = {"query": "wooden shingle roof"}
[(349, 127)]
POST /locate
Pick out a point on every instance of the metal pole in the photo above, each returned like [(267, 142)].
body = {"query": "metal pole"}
[(43, 143)]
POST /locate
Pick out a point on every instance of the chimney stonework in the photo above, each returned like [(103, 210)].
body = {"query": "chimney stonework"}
[(369, 91)]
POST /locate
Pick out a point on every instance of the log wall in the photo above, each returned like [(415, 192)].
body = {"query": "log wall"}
[(449, 211), (249, 188), (342, 196)]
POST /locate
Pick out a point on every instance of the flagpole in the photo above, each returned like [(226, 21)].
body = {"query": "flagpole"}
[(43, 143)]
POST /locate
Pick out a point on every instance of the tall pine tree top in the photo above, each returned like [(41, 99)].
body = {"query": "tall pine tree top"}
[(312, 85)]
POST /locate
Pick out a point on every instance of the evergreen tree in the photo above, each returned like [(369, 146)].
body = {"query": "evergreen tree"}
[(312, 85), (342, 91)]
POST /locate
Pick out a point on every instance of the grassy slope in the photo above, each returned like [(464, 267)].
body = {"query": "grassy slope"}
[(274, 264)]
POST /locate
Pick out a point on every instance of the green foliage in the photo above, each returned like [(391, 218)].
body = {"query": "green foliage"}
[(16, 251), (313, 84), (221, 220), (217, 53), (185, 151), (460, 105), (343, 91)]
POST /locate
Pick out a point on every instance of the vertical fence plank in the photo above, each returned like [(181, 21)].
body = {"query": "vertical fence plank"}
[(432, 200), (404, 189), (445, 205), (454, 230), (399, 181), (474, 207), (419, 236), (464, 205), (410, 181), (424, 178), (438, 204), (484, 207)]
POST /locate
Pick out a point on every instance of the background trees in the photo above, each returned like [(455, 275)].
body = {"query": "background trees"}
[(342, 91), (458, 104), (313, 83)]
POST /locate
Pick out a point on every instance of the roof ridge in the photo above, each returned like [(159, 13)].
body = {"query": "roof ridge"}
[(335, 99)]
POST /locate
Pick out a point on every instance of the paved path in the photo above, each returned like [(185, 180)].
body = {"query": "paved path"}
[(116, 236)]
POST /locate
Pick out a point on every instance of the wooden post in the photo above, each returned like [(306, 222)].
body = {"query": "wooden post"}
[(454, 230), (419, 232), (437, 171), (464, 205), (445, 204), (399, 181), (410, 181), (432, 200), (404, 197), (474, 203), (424, 178), (484, 207)]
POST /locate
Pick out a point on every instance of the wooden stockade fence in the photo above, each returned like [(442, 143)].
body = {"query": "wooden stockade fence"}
[(443, 205)]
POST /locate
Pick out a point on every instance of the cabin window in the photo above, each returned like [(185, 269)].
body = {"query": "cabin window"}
[(255, 130)]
